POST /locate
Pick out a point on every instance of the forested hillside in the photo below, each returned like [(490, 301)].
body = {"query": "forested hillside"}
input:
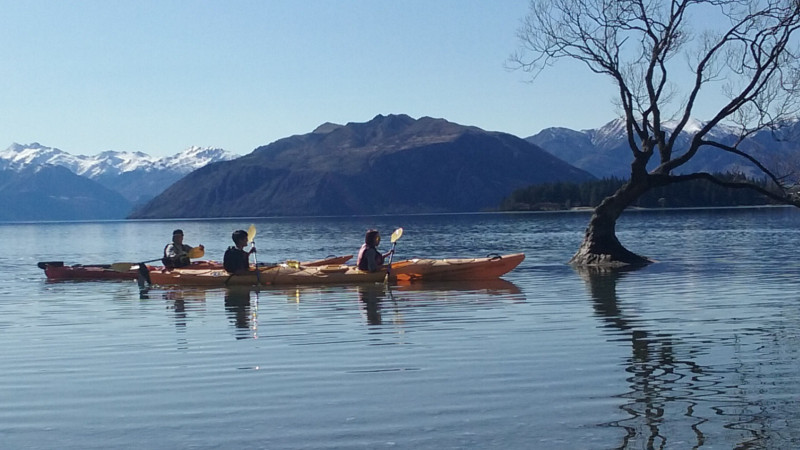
[(697, 193)]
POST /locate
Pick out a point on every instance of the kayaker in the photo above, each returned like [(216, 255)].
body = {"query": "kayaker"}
[(236, 260), (176, 253), (369, 258)]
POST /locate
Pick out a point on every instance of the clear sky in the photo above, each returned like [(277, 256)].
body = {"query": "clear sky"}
[(159, 76)]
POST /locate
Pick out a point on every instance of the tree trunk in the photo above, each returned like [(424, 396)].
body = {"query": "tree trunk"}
[(600, 245)]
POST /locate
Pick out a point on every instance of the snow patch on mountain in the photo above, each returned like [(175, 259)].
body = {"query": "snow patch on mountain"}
[(18, 157), (194, 158), (691, 127), (614, 132)]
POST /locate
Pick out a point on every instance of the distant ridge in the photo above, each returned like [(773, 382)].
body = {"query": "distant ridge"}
[(388, 165), (49, 192), (604, 151)]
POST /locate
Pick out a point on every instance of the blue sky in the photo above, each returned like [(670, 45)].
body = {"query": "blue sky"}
[(160, 76)]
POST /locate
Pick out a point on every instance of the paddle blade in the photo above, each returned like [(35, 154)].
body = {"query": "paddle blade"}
[(251, 233), (196, 252), (122, 266), (396, 235), (126, 266)]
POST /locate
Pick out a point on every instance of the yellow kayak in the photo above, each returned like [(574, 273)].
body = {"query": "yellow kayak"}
[(281, 274)]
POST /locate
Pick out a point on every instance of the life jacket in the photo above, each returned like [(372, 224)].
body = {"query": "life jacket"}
[(173, 262), (235, 260)]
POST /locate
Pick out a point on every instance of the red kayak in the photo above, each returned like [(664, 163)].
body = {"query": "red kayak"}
[(56, 270)]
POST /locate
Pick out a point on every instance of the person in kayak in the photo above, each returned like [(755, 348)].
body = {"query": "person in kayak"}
[(236, 260), (369, 258), (176, 253)]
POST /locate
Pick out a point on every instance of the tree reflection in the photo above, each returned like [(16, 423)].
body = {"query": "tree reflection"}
[(666, 388)]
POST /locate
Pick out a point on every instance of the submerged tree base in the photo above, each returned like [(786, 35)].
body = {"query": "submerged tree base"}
[(602, 249), (582, 258)]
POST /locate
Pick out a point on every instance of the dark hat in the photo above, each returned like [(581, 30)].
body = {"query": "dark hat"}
[(178, 231)]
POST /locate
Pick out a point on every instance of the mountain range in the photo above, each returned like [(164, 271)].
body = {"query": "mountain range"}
[(604, 151), (389, 165), (45, 183)]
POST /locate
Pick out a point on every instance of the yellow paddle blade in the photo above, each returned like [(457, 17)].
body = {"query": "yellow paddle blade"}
[(196, 252), (122, 266), (396, 235), (251, 233)]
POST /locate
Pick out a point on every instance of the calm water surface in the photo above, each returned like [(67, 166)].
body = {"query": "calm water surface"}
[(697, 351)]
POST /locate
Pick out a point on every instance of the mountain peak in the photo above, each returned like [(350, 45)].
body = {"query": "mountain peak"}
[(326, 128), (18, 156), (195, 157), (392, 120)]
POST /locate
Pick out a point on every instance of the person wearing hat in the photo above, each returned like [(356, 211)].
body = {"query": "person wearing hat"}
[(176, 253)]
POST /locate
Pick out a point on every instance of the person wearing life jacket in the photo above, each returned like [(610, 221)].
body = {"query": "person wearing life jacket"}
[(236, 260), (369, 258), (176, 253)]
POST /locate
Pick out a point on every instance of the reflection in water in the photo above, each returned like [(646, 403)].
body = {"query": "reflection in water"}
[(493, 286), (375, 300), (180, 301), (418, 295), (667, 390), (369, 296), (239, 308)]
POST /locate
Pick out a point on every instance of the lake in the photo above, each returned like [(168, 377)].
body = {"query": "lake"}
[(699, 350)]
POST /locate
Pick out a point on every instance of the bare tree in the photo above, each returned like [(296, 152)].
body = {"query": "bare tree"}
[(662, 63)]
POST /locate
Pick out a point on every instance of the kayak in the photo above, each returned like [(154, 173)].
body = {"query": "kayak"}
[(281, 274), (454, 269), (457, 269), (56, 270)]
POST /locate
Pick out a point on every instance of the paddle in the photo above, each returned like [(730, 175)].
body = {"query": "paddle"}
[(395, 236), (195, 252), (251, 238)]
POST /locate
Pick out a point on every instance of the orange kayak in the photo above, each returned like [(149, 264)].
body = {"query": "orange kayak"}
[(453, 269)]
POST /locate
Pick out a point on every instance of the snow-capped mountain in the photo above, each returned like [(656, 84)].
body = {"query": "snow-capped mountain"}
[(18, 156), (136, 175), (604, 151)]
